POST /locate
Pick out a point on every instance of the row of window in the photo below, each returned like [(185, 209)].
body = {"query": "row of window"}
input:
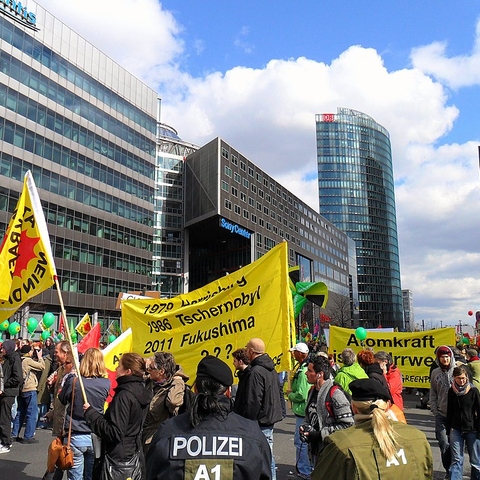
[(41, 115), (91, 255), (66, 218), (42, 84), (44, 55), (12, 167), (41, 146), (79, 282)]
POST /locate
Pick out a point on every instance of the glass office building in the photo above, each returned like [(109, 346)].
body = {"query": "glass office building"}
[(356, 194), (235, 212), (169, 237), (86, 128)]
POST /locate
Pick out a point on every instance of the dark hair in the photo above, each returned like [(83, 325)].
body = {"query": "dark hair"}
[(241, 354), (321, 364), (134, 362), (206, 402), (166, 362), (460, 370)]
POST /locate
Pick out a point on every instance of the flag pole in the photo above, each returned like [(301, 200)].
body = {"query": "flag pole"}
[(67, 329)]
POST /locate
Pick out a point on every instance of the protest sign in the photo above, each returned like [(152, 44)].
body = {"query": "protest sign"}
[(412, 352), (254, 301)]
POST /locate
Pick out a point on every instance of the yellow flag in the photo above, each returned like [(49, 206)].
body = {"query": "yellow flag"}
[(26, 261), (84, 326), (254, 301)]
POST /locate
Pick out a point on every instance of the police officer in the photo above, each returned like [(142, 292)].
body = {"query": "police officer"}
[(211, 441)]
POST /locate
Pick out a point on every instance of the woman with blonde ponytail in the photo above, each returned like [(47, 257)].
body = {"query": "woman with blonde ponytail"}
[(377, 446)]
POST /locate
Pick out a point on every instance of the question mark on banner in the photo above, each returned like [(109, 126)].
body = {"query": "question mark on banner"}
[(228, 348), (204, 353), (217, 351)]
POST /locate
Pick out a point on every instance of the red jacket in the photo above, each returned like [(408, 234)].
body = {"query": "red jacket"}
[(394, 379)]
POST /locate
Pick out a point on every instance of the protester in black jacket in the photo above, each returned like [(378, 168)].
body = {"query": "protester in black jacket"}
[(12, 379), (211, 441), (121, 427), (258, 395)]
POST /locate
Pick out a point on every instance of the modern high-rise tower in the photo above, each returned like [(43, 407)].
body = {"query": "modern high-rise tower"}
[(356, 194)]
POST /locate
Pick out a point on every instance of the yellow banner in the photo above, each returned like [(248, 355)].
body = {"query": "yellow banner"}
[(254, 301), (412, 352), (26, 261)]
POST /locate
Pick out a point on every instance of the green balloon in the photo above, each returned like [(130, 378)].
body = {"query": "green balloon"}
[(111, 338), (45, 334), (4, 325), (74, 337), (14, 328), (465, 340), (48, 319), (32, 324), (360, 333)]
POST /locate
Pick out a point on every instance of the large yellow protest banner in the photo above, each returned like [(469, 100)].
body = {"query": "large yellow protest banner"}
[(254, 301), (412, 352)]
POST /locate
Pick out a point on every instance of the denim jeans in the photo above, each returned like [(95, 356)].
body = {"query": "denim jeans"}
[(303, 462), (441, 436), (42, 410), (83, 457), (26, 412), (268, 432), (457, 443)]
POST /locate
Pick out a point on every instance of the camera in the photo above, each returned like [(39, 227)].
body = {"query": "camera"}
[(303, 430)]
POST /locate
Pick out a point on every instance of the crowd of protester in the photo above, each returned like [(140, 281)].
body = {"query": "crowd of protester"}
[(349, 415)]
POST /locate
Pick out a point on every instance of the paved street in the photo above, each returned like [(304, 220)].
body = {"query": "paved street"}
[(27, 462)]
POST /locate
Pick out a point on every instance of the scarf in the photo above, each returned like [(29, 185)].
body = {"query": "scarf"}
[(461, 390)]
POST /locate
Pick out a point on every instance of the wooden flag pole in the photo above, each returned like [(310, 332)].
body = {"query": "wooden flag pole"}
[(67, 329)]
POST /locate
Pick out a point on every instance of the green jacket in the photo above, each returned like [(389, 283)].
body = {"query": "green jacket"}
[(474, 367), (353, 454), (348, 374), (300, 388)]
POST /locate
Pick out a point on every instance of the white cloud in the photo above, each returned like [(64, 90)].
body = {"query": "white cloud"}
[(138, 34), (456, 72), (241, 41), (268, 114)]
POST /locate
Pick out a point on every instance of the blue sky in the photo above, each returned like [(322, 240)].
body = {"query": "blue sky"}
[(256, 73)]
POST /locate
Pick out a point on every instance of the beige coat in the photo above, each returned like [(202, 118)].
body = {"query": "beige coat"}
[(29, 367), (165, 403)]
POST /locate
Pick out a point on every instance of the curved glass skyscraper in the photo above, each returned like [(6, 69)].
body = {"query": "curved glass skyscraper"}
[(356, 194)]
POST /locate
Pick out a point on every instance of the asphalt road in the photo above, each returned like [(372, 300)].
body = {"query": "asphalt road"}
[(28, 462)]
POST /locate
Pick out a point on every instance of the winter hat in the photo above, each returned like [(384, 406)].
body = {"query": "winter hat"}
[(9, 346), (368, 389), (443, 350), (25, 349), (213, 368)]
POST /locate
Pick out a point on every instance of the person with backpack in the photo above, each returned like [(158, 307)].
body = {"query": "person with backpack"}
[(27, 400), (328, 406), (168, 386)]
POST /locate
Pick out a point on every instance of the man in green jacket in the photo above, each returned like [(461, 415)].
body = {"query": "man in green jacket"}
[(350, 371), (297, 395)]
